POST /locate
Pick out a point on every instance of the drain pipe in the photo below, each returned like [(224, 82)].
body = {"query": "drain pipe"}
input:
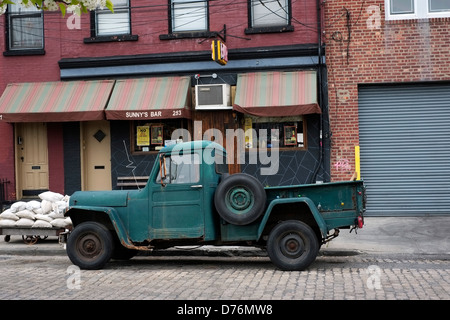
[(319, 75)]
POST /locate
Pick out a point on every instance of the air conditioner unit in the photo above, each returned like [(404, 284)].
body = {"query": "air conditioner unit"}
[(212, 97)]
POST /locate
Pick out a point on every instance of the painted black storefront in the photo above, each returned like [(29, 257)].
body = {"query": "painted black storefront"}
[(295, 166)]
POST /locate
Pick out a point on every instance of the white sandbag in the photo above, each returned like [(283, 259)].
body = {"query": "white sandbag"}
[(69, 221), (62, 204), (66, 198), (7, 214), (56, 215), (59, 206), (28, 214), (43, 217), (59, 223), (18, 206), (41, 224), (7, 223), (51, 196), (24, 222), (46, 206), (38, 211), (33, 204)]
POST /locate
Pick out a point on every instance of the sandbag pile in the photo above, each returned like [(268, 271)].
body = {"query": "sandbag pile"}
[(47, 213)]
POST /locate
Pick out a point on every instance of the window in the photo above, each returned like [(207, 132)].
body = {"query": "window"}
[(417, 9), (108, 23), (284, 132), (438, 5), (269, 13), (402, 6), (107, 26), (149, 136), (269, 16), (26, 28), (184, 168), (189, 15), (221, 162)]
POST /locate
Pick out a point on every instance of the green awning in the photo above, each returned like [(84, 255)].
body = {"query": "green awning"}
[(275, 94), (55, 101), (150, 98)]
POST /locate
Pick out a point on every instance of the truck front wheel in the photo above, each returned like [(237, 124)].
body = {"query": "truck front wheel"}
[(90, 245), (292, 245)]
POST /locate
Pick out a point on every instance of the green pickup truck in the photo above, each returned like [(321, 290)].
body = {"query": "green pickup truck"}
[(190, 199)]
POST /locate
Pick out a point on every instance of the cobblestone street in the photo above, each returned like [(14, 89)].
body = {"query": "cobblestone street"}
[(391, 259), (226, 278)]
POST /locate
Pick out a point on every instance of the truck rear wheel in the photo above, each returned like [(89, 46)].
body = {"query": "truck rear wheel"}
[(90, 245), (240, 199), (292, 245)]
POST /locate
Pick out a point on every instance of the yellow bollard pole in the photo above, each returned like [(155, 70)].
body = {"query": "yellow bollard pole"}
[(357, 163)]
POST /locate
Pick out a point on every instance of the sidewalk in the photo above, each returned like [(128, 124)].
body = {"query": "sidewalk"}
[(380, 235), (398, 235)]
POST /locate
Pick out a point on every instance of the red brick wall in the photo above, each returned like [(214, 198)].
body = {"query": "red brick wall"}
[(7, 159), (151, 20), (33, 68), (64, 38), (368, 49)]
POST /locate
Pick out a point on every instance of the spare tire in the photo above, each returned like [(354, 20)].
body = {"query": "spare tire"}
[(240, 199)]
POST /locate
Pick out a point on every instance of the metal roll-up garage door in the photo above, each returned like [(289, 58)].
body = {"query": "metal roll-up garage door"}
[(405, 148)]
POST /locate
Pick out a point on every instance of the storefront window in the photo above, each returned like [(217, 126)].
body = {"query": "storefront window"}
[(269, 132), (151, 136)]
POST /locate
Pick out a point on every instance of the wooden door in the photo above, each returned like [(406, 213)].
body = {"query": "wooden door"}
[(32, 158), (220, 120), (96, 155)]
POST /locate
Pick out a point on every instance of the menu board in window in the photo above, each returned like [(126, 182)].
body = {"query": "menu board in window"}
[(290, 135), (157, 135)]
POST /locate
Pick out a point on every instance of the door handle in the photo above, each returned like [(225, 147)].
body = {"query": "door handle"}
[(195, 186)]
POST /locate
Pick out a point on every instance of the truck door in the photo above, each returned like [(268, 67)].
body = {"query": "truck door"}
[(177, 198)]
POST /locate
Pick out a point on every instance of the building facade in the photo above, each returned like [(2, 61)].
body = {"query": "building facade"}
[(90, 99), (389, 95)]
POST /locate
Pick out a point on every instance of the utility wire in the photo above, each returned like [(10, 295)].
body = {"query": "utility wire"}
[(136, 21)]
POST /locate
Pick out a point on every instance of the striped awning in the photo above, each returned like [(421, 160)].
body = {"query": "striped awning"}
[(55, 101), (150, 98), (275, 94)]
